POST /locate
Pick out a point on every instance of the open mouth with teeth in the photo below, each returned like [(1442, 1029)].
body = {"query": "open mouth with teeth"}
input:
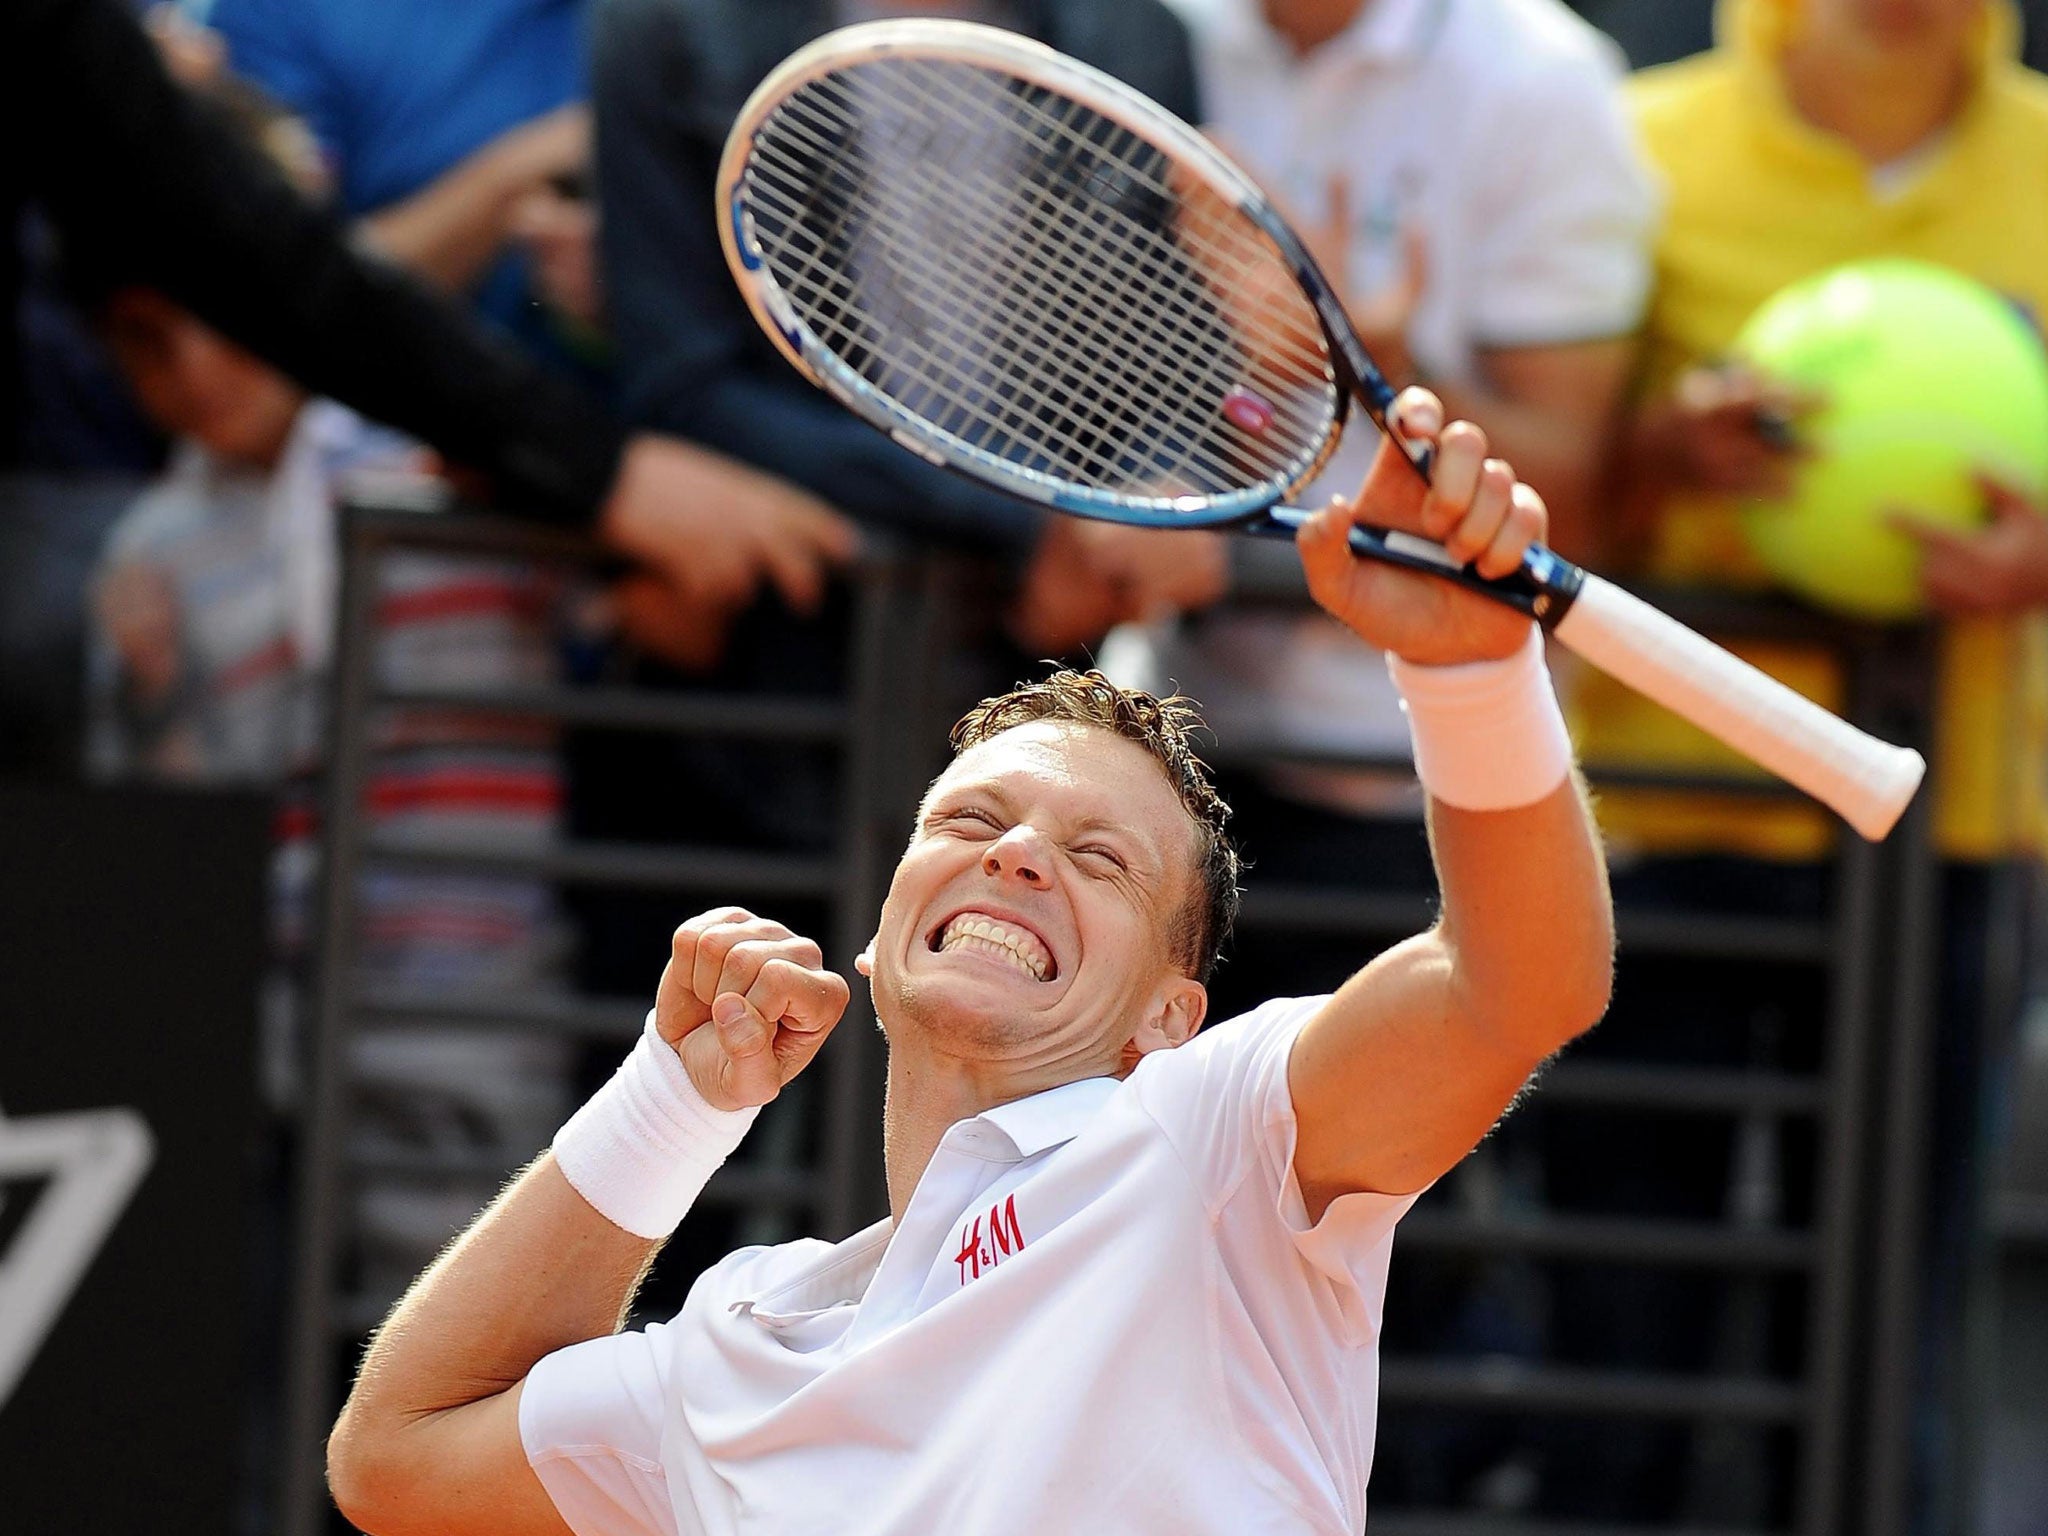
[(978, 933)]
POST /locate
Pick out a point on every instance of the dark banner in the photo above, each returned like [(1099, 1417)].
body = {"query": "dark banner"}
[(131, 953)]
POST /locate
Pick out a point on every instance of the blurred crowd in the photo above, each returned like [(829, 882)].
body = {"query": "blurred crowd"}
[(262, 249)]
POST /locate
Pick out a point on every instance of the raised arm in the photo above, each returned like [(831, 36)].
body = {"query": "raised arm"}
[(429, 1439), (134, 171), (1420, 1053)]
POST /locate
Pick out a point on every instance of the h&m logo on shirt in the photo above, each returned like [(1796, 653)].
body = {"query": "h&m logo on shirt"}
[(988, 1240)]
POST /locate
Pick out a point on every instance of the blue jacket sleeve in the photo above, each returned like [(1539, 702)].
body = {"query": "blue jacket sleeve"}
[(691, 360)]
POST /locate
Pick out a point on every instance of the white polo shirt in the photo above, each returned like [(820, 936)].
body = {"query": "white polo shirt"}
[(1493, 128), (1105, 1311)]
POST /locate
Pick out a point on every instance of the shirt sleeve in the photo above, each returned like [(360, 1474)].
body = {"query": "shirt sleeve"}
[(590, 1420), (1222, 1100), (1565, 212)]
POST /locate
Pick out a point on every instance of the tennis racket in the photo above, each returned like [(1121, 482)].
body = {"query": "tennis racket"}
[(1027, 272)]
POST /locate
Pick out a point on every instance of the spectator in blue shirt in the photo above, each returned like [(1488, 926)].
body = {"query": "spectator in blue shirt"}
[(457, 134)]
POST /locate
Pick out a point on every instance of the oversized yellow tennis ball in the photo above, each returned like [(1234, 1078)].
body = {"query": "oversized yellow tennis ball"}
[(1930, 379)]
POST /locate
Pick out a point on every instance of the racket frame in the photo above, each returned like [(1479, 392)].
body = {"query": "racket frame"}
[(966, 42), (1544, 588), (1867, 781)]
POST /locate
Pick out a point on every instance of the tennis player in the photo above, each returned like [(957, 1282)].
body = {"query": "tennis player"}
[(1132, 1277)]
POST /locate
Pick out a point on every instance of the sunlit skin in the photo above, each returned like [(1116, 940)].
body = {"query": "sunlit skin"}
[(1071, 831), (1074, 834)]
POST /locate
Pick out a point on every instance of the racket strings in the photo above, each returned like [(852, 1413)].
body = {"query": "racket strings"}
[(1036, 336), (1041, 335), (993, 418), (1115, 261), (1030, 282), (908, 332), (1228, 244), (1139, 260), (1302, 327), (1107, 379), (1234, 257), (1237, 257)]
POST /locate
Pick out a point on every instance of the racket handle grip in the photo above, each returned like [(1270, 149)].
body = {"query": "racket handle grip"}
[(1866, 781)]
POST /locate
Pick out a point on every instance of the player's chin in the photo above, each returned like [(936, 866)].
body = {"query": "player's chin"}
[(983, 987), (977, 1017)]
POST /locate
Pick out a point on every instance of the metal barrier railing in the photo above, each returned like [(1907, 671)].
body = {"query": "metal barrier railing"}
[(1872, 947), (889, 637)]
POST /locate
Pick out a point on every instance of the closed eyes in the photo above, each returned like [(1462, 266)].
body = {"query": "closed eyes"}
[(966, 818)]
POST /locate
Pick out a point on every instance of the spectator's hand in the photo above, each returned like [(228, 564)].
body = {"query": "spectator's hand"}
[(1088, 577), (1064, 604), (195, 56), (1257, 297), (689, 636), (1475, 508), (559, 236), (137, 607), (1725, 430), (2000, 568), (554, 145), (713, 530), (450, 230), (746, 1003), (1381, 317)]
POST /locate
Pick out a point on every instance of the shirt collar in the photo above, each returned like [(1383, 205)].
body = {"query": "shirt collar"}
[(839, 1275), (1045, 1120), (1384, 32)]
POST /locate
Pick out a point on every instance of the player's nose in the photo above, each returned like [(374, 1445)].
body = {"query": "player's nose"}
[(1021, 854)]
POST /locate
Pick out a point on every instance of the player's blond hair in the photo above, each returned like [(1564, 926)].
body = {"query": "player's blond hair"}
[(1167, 729)]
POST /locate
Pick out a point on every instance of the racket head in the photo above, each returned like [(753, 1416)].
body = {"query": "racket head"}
[(1024, 270)]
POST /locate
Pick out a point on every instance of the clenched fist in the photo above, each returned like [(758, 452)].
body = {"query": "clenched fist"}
[(746, 1003)]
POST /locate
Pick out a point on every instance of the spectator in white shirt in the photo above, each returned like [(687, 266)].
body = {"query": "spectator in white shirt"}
[(1466, 174), (1132, 1279)]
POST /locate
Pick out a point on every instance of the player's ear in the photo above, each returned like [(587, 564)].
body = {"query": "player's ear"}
[(864, 962), (1177, 1011)]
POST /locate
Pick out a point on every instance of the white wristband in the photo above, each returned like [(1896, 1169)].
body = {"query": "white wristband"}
[(1488, 735), (646, 1144)]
